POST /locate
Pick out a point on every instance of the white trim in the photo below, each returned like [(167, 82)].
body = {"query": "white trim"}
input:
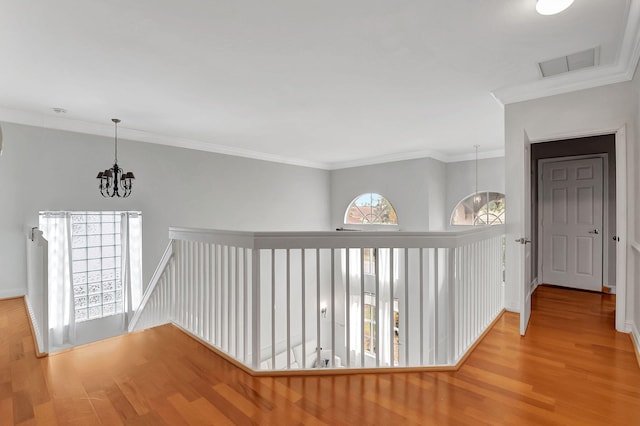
[(621, 211), (78, 126), (64, 124), (621, 227), (635, 338), (164, 261), (622, 70), (414, 155), (496, 153), (336, 239)]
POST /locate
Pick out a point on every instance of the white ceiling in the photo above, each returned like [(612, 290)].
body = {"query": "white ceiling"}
[(320, 83)]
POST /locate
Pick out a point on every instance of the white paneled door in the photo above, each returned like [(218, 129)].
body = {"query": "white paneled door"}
[(525, 241), (572, 219)]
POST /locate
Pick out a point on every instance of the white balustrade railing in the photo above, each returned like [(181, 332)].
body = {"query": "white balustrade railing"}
[(37, 288), (299, 300)]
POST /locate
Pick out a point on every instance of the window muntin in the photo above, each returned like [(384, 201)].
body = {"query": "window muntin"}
[(370, 327), (482, 208), (370, 208), (370, 324)]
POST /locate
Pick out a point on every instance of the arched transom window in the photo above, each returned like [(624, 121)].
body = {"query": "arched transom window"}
[(481, 208), (370, 208)]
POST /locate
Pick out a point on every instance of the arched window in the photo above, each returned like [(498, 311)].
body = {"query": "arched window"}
[(481, 208), (370, 208)]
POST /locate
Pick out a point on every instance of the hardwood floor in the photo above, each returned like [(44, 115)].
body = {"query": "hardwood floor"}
[(571, 368)]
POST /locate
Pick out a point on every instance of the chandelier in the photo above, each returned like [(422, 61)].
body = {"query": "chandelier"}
[(115, 182)]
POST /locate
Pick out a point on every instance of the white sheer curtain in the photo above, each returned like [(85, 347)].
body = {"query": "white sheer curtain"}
[(131, 234), (56, 229), (355, 311)]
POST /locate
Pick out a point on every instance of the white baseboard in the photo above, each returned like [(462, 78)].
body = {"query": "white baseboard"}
[(10, 293), (629, 327), (635, 337), (510, 308)]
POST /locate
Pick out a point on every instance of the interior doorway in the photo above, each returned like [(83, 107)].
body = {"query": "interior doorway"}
[(597, 248)]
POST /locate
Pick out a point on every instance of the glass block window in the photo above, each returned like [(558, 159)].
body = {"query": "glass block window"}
[(482, 208), (96, 264), (370, 208)]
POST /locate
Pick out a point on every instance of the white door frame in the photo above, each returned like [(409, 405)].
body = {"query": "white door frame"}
[(621, 213), (605, 211)]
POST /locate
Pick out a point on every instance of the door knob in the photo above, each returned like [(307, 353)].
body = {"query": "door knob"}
[(523, 240), (595, 231)]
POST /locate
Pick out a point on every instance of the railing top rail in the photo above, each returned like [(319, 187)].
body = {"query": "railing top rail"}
[(336, 239)]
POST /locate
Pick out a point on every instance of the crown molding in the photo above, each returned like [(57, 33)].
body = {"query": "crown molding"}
[(389, 158), (415, 155), (496, 153), (621, 71), (91, 128), (99, 129)]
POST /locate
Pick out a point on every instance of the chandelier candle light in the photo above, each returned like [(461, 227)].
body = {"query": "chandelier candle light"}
[(115, 181)]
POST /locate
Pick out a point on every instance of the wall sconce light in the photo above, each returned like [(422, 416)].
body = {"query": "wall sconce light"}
[(323, 311)]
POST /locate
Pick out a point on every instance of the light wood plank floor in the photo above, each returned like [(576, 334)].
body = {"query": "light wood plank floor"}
[(571, 368)]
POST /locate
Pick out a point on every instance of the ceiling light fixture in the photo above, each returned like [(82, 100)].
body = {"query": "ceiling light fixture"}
[(114, 181), (551, 7)]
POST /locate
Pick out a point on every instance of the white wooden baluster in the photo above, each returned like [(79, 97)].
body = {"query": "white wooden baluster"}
[(201, 290), (245, 313), (333, 306), (436, 306), (406, 324), (273, 309), (288, 308), (318, 308), (236, 305), (255, 308), (303, 306), (362, 307), (347, 288), (451, 314), (422, 293), (377, 297), (391, 319), (228, 300)]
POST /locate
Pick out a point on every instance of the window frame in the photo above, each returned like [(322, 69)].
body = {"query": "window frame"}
[(372, 226), (489, 197)]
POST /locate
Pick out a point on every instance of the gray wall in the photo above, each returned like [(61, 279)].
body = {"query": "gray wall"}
[(415, 188), (461, 181), (43, 169), (634, 232)]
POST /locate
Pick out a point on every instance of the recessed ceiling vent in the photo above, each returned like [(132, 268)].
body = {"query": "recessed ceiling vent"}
[(575, 61)]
